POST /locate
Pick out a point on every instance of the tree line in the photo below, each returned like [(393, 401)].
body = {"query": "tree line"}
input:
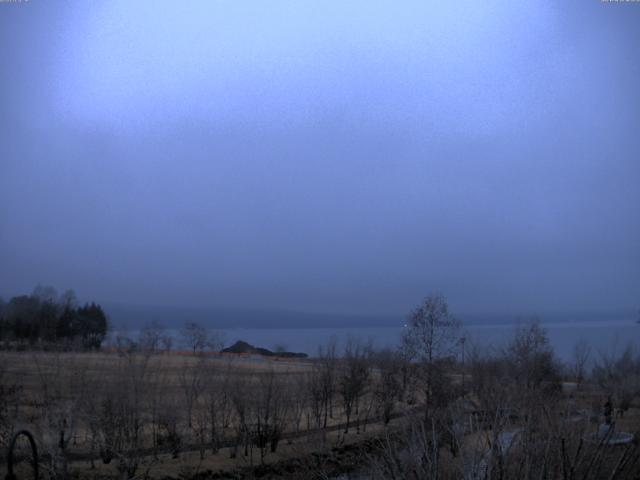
[(48, 320)]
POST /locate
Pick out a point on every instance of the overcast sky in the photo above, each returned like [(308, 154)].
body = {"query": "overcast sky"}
[(323, 156)]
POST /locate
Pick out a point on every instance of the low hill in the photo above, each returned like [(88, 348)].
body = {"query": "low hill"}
[(244, 347)]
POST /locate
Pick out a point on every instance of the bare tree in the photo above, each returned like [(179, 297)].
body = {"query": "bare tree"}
[(414, 452), (489, 382), (195, 337), (10, 390), (215, 341), (90, 414), (316, 394), (269, 412), (122, 419), (170, 431), (156, 399), (124, 344), (619, 375), (151, 336), (61, 388), (240, 392), (327, 377), (387, 383), (218, 402), (354, 374), (430, 336), (531, 358), (167, 343), (581, 355), (192, 382), (544, 446), (297, 394)]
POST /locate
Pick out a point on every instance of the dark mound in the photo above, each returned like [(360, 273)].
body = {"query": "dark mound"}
[(244, 347)]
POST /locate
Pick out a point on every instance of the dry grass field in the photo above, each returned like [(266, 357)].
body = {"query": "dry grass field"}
[(169, 414), (178, 415)]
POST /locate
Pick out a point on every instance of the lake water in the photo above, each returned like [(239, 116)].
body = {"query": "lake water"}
[(602, 336)]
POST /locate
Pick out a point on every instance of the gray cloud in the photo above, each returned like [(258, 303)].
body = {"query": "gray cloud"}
[(322, 158)]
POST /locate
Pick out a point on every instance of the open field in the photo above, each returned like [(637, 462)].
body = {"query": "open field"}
[(99, 415), (170, 412), (132, 412)]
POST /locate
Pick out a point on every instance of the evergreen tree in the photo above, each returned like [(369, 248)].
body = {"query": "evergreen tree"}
[(45, 318)]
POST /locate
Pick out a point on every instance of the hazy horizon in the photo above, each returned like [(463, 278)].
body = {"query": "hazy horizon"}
[(123, 316)]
